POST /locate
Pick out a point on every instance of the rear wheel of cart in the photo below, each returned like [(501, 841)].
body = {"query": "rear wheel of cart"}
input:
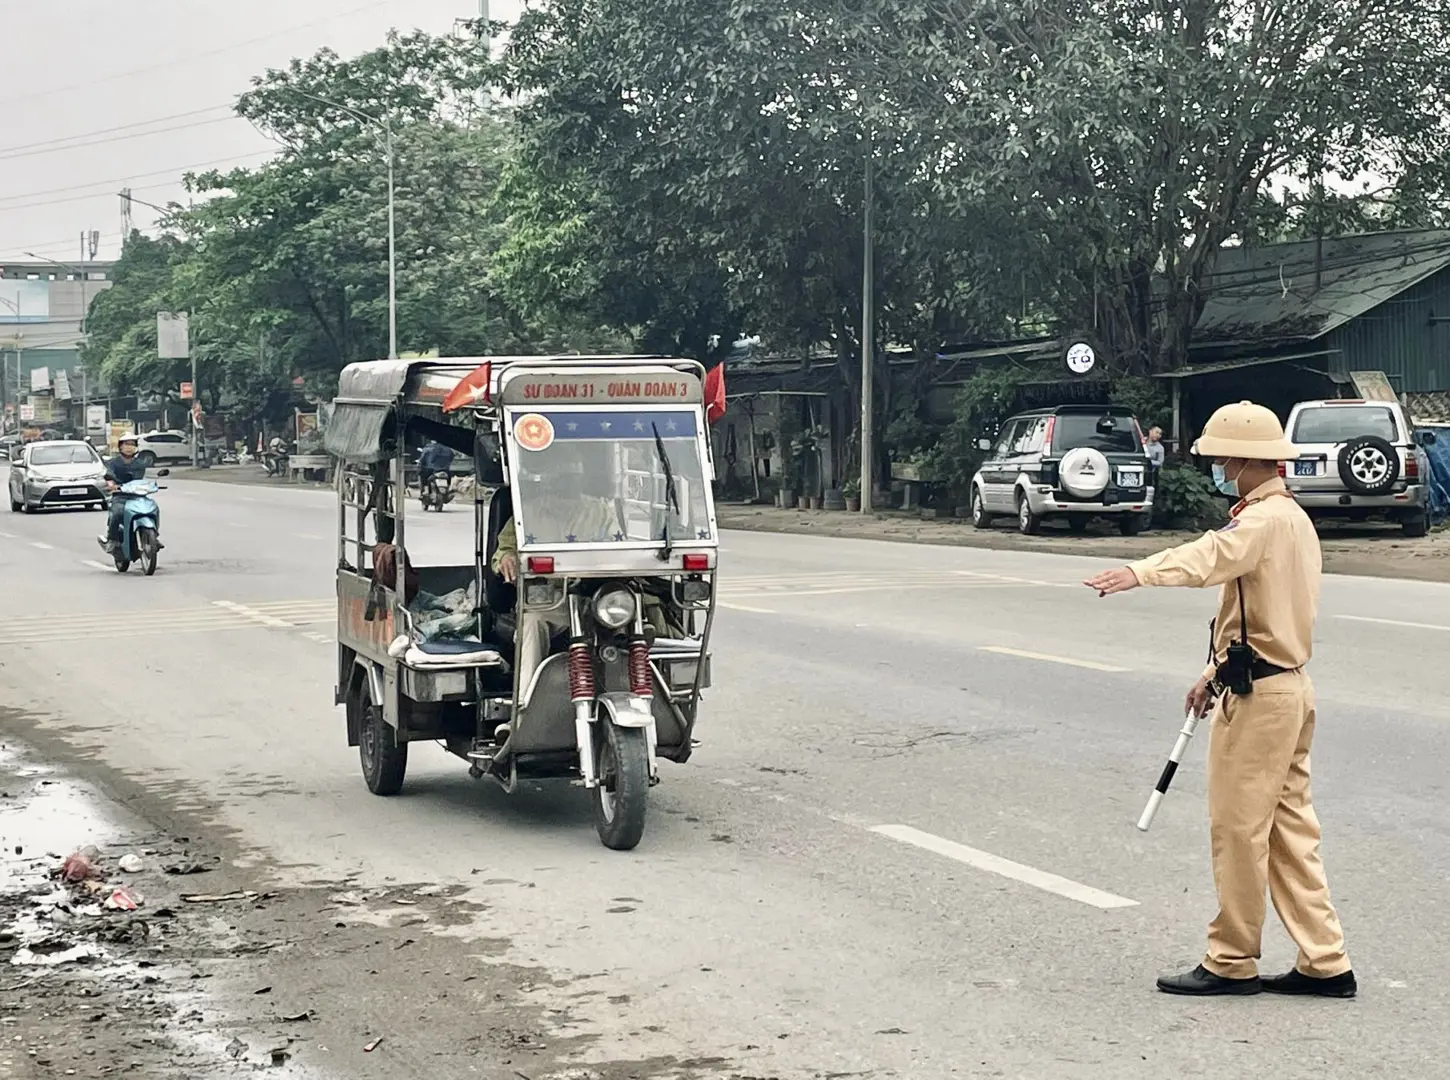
[(622, 796), (384, 759)]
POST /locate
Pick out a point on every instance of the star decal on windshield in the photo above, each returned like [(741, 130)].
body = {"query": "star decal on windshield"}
[(528, 539), (570, 538), (671, 426), (639, 425), (605, 425), (704, 534), (619, 538)]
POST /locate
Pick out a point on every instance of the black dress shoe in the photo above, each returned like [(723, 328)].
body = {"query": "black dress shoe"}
[(1296, 982), (1200, 982)]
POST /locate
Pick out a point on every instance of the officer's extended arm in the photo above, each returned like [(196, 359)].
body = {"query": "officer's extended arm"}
[(1212, 559)]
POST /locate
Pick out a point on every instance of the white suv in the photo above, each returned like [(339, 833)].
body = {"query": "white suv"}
[(161, 447), (1356, 460)]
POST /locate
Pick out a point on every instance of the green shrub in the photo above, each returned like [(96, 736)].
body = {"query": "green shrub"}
[(1185, 498)]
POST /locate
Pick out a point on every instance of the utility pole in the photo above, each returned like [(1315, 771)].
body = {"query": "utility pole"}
[(868, 334)]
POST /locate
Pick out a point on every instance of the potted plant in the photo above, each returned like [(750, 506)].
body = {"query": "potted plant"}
[(851, 489)]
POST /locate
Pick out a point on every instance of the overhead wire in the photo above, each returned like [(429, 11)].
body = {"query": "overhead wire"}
[(115, 127), (82, 145), (88, 84), (174, 171)]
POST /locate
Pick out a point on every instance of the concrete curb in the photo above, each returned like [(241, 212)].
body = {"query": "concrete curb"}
[(1369, 557)]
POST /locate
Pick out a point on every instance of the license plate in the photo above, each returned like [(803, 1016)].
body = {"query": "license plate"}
[(1130, 478), (72, 491), (1306, 468)]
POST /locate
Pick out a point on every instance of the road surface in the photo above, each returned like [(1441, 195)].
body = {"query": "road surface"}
[(904, 849)]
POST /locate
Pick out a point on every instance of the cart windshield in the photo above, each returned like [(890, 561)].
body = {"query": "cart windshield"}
[(595, 477)]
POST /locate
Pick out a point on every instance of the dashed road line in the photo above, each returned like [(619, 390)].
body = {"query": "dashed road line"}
[(42, 545), (260, 617), (7, 536), (98, 565), (995, 864), (1394, 622), (1023, 654)]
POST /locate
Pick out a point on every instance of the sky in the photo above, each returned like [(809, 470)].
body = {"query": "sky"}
[(135, 92)]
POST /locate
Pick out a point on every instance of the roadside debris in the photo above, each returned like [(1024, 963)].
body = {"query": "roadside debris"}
[(123, 899), (80, 866), (370, 1047), (188, 866), (53, 953), (218, 898), (131, 864), (236, 1049)]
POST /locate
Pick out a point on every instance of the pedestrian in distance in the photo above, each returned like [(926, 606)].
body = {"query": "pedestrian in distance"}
[(1265, 834)]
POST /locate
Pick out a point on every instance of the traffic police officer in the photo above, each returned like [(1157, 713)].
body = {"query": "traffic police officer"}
[(1262, 823)]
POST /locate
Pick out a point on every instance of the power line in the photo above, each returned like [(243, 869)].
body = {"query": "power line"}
[(120, 127), (51, 91), (81, 145), (123, 179)]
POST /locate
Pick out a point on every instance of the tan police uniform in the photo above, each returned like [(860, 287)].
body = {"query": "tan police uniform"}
[(1262, 823)]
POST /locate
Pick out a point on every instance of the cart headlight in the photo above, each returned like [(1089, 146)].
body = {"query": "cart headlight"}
[(614, 608)]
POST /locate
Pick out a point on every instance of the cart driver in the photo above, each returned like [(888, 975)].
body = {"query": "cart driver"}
[(558, 507)]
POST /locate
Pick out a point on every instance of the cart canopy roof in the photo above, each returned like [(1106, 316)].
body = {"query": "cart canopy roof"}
[(364, 422)]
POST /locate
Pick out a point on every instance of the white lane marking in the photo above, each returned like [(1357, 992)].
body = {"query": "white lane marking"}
[(995, 864), (1395, 622), (7, 536), (743, 607), (42, 545), (251, 613), (311, 536), (97, 565), (1091, 665), (245, 498)]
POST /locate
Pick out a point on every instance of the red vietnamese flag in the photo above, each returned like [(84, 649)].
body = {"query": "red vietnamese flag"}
[(715, 393), (471, 389)]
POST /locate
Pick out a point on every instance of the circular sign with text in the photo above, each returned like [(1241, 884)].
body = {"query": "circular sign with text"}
[(534, 432), (1081, 358)]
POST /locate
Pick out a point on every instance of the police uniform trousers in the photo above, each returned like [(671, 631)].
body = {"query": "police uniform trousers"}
[(1264, 832)]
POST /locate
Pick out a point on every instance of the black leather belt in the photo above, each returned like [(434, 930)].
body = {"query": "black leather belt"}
[(1263, 669)]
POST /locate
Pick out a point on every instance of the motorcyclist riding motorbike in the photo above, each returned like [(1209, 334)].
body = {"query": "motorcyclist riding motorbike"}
[(435, 459), (120, 470)]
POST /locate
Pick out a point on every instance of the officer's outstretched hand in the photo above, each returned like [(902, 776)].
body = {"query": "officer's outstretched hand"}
[(1113, 581)]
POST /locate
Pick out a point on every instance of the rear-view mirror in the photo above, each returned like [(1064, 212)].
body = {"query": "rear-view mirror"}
[(1107, 425), (1427, 438)]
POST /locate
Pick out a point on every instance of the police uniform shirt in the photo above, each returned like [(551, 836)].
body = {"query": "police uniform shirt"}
[(1270, 544)]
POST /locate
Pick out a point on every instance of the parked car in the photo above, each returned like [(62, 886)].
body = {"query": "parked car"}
[(163, 447), (10, 446), (45, 475), (1357, 461), (1074, 461)]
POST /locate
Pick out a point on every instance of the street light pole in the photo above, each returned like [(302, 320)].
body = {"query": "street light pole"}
[(387, 129), (868, 335), (392, 250)]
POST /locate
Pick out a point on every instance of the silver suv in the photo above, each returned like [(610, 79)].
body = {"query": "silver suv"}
[(1075, 462), (1357, 460)]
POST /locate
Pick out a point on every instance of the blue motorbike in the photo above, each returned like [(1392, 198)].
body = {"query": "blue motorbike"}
[(140, 526)]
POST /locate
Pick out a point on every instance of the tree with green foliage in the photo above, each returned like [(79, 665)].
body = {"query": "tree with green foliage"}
[(1128, 140)]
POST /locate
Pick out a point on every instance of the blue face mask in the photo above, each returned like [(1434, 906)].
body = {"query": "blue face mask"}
[(1223, 483)]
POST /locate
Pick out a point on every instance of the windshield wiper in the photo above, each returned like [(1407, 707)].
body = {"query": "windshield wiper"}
[(671, 498)]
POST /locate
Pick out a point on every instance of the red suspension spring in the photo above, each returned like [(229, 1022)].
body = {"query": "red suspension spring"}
[(641, 680), (581, 672)]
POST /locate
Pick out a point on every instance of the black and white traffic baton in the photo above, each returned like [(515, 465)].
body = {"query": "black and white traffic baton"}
[(1190, 724)]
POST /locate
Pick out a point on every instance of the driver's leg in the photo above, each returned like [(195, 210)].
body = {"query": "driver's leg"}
[(113, 522)]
